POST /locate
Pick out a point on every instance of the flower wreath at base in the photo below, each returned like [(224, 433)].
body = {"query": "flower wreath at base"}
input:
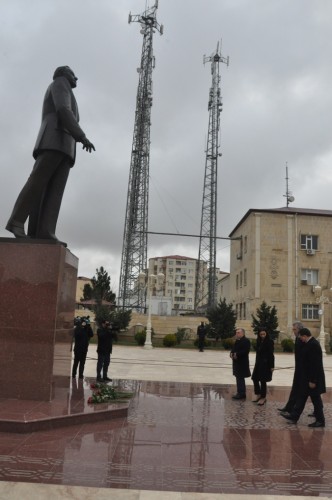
[(103, 393)]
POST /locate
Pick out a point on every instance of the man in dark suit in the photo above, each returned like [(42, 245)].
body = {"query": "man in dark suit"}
[(312, 380), (54, 152), (299, 346), (240, 358), (104, 350), (201, 333)]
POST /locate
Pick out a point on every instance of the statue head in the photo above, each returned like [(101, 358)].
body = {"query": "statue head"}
[(68, 73)]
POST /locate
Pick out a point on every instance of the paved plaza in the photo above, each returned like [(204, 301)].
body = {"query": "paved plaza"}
[(184, 437)]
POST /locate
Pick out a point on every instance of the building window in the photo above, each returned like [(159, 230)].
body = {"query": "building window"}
[(245, 277), (310, 311), (170, 262), (244, 311), (240, 279), (237, 281), (309, 242), (245, 244), (309, 276)]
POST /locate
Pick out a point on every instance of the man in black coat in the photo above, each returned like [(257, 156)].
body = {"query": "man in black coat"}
[(240, 357), (82, 335), (299, 347), (104, 350), (55, 153), (201, 332), (312, 380)]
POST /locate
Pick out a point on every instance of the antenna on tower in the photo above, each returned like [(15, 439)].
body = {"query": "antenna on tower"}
[(206, 278), (289, 196), (134, 249)]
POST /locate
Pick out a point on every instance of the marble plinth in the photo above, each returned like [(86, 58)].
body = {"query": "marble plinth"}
[(37, 303)]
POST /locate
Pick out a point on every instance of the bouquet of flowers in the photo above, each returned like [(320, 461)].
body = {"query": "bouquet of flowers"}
[(103, 393)]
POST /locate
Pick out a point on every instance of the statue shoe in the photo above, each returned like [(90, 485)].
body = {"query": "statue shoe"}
[(16, 229), (50, 236)]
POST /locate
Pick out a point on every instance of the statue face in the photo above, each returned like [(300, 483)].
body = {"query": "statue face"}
[(72, 79)]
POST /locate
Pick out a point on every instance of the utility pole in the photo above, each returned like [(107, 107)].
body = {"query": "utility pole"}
[(134, 250), (206, 281)]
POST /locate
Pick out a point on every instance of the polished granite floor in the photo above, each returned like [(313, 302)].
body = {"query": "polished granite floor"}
[(182, 437)]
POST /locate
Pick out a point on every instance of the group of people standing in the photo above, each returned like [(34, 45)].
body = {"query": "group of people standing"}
[(264, 364), (308, 380), (82, 335)]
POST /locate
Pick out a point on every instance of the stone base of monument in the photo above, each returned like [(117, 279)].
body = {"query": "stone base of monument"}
[(37, 302), (69, 406)]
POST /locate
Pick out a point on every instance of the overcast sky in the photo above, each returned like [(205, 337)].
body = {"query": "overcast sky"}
[(277, 108)]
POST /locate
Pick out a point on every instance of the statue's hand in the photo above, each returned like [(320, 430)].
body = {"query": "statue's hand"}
[(87, 144)]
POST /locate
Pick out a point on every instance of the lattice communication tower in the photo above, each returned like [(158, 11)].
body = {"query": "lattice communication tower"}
[(206, 279), (134, 250)]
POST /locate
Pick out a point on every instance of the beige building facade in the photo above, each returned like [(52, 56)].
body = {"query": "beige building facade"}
[(180, 280), (281, 256)]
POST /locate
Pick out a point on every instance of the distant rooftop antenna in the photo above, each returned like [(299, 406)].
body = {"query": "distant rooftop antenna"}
[(289, 195)]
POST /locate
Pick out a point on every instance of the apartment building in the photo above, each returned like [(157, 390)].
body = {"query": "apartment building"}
[(180, 280), (283, 256)]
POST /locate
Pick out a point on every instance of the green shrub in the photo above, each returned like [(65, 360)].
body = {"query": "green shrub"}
[(170, 340), (181, 334), (253, 343), (140, 337), (228, 343), (287, 345)]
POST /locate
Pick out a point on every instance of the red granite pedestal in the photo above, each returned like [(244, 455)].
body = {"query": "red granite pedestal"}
[(37, 303)]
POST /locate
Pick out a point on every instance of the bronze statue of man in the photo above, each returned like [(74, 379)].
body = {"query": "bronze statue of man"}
[(54, 152)]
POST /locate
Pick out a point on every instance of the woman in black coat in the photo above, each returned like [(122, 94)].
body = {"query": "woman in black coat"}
[(264, 366)]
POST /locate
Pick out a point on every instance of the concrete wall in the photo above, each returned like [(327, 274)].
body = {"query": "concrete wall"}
[(162, 325)]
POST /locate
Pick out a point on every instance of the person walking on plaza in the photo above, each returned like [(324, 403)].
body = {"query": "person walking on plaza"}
[(312, 380), (201, 333), (240, 359), (299, 345), (264, 365), (104, 350), (82, 335)]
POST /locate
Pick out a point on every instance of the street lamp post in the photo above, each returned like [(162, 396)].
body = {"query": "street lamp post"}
[(321, 299), (150, 281)]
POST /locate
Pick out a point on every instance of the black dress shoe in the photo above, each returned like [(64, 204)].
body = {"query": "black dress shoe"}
[(283, 409), (317, 424), (99, 379), (289, 418), (106, 379), (17, 230), (239, 396)]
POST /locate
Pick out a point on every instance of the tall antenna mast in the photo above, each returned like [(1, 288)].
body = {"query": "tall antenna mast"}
[(134, 250), (206, 283), (289, 196)]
